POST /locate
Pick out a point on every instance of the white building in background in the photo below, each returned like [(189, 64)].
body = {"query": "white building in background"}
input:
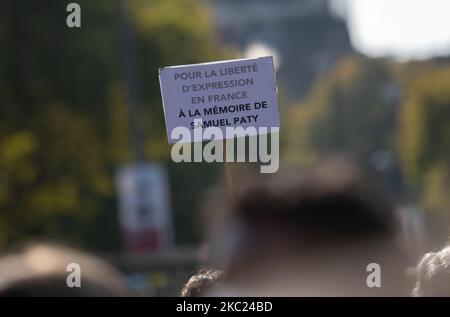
[(304, 37)]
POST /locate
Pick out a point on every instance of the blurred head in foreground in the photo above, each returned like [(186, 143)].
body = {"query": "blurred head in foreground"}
[(433, 274), (41, 270), (201, 283), (315, 232)]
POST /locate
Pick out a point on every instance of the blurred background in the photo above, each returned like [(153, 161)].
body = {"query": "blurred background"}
[(84, 158)]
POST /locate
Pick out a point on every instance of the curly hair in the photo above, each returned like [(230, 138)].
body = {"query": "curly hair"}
[(201, 282), (433, 274)]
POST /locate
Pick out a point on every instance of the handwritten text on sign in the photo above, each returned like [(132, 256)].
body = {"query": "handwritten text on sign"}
[(235, 93)]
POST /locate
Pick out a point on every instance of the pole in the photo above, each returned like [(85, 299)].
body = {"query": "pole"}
[(228, 174), (128, 50)]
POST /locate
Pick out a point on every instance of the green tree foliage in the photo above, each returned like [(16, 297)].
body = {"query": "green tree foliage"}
[(64, 125), (351, 109), (424, 133), (365, 105)]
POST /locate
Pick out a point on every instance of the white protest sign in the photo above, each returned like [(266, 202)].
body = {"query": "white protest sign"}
[(234, 93)]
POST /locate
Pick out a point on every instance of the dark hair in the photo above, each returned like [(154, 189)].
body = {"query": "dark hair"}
[(54, 285), (334, 199)]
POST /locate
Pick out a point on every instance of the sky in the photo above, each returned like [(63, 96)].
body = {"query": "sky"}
[(404, 29)]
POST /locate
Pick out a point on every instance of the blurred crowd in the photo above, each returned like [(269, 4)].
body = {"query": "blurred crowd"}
[(331, 230)]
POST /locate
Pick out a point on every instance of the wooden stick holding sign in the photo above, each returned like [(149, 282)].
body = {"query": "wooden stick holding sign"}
[(228, 173)]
